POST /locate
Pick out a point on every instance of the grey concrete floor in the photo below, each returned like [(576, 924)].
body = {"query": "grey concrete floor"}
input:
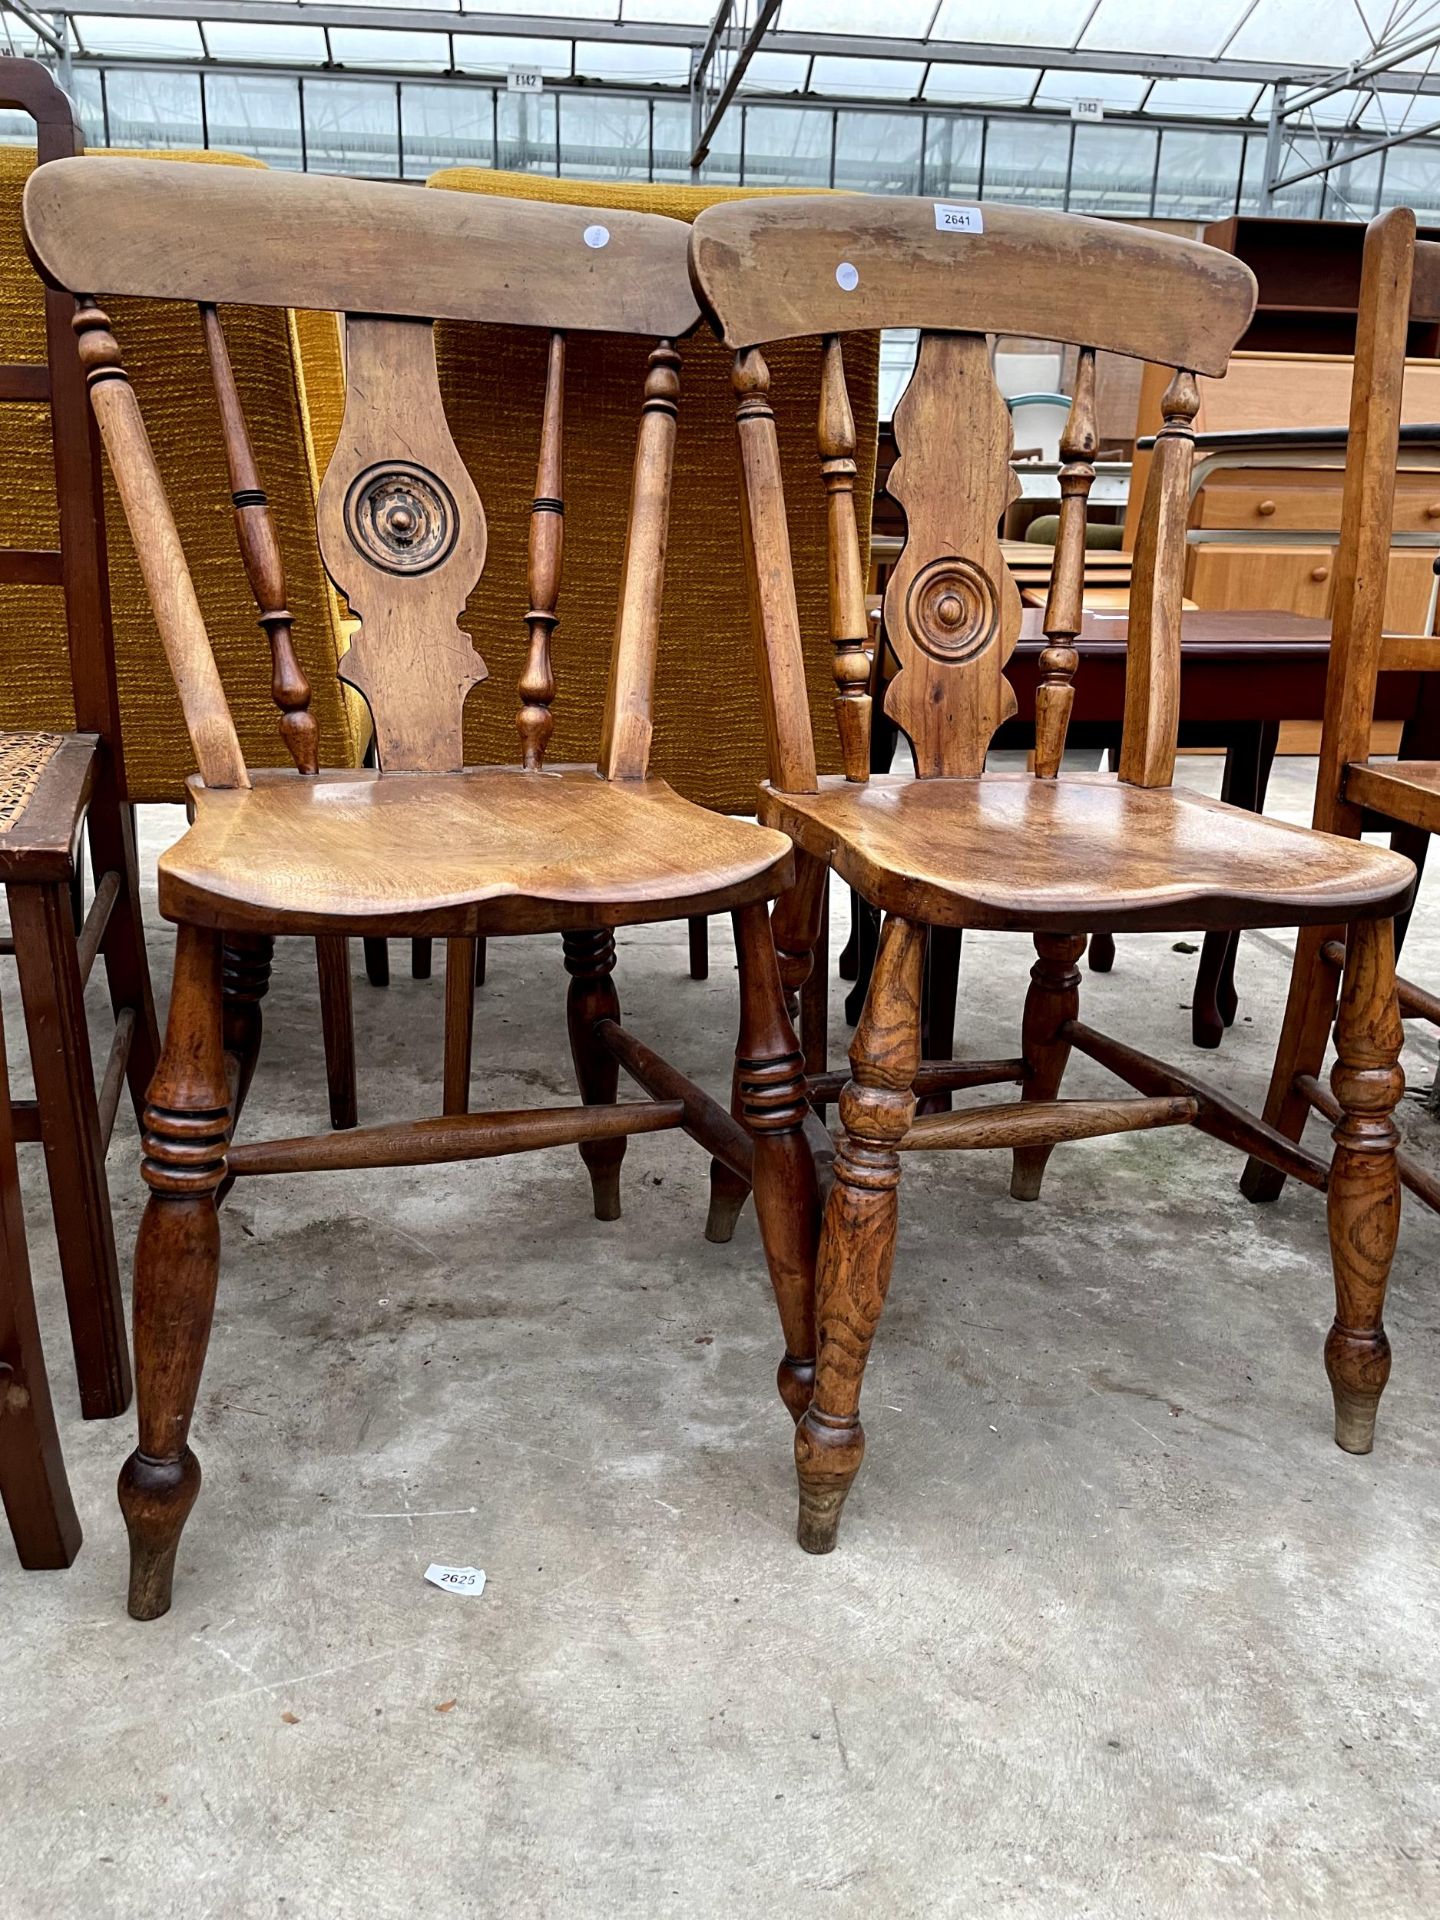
[(1113, 1630)]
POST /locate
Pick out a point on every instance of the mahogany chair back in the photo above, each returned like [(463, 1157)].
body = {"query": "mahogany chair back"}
[(772, 270), (399, 518)]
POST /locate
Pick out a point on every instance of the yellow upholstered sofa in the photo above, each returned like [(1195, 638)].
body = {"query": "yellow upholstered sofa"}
[(709, 736), (289, 374)]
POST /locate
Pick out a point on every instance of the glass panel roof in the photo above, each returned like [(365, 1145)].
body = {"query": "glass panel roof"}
[(862, 79), (1121, 91), (993, 86), (1238, 46)]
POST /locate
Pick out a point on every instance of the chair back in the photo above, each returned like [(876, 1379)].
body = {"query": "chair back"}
[(1399, 282), (770, 270), (399, 518), (709, 739)]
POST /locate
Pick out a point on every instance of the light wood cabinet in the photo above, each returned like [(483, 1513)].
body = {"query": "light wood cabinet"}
[(1287, 579)]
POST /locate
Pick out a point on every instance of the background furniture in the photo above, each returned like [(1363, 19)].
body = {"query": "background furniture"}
[(1355, 791), (1053, 856), (1308, 274)]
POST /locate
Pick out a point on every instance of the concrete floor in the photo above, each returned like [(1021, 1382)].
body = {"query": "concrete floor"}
[(1114, 1630)]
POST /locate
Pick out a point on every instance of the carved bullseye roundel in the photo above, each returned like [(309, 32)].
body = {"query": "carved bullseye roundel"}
[(401, 517), (952, 609)]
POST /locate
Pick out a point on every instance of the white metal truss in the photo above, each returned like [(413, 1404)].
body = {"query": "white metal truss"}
[(1300, 147)]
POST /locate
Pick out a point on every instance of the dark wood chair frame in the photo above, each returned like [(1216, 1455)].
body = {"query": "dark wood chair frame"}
[(959, 847), (402, 531), (1400, 285), (68, 786)]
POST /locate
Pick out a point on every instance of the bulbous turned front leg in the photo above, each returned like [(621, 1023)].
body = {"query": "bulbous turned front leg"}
[(1363, 1197), (1053, 999), (857, 1238), (177, 1257), (770, 1086), (245, 981), (590, 961)]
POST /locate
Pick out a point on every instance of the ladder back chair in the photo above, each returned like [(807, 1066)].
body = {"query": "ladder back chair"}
[(60, 792), (958, 847), (1400, 283), (421, 845)]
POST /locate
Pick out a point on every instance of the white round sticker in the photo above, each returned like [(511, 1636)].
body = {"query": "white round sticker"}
[(847, 277), (597, 236)]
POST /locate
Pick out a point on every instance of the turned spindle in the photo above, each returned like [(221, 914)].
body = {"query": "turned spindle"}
[(1064, 604), (851, 665), (547, 540), (260, 551), (1152, 660)]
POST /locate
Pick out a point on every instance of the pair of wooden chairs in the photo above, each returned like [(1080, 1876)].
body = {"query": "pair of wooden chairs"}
[(426, 846)]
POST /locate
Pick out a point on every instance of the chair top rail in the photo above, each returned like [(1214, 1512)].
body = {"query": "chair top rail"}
[(221, 235), (832, 263)]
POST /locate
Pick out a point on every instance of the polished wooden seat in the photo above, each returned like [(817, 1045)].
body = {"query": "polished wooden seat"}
[(1055, 855), (488, 851), (423, 845), (1011, 851)]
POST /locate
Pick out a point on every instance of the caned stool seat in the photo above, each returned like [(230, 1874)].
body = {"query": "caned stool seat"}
[(1033, 855), (45, 781), (492, 850)]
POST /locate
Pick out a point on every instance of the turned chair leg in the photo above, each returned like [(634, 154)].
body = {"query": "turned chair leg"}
[(1052, 1000), (177, 1258), (857, 1237), (111, 830), (1363, 1197), (245, 981), (866, 934), (796, 928), (1101, 958), (815, 1001), (1309, 1012), (459, 1021), (33, 1487), (728, 1190), (698, 928), (942, 987), (337, 1027), (54, 1003), (770, 1077), (590, 961), (377, 962)]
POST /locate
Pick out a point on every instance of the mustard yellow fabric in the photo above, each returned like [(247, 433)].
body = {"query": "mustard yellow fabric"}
[(165, 355), (709, 734)]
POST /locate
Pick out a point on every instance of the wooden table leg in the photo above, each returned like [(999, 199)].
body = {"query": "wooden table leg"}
[(33, 1486), (54, 1002)]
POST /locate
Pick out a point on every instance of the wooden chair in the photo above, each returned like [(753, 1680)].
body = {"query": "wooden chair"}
[(1400, 285), (423, 845), (58, 793), (958, 847)]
